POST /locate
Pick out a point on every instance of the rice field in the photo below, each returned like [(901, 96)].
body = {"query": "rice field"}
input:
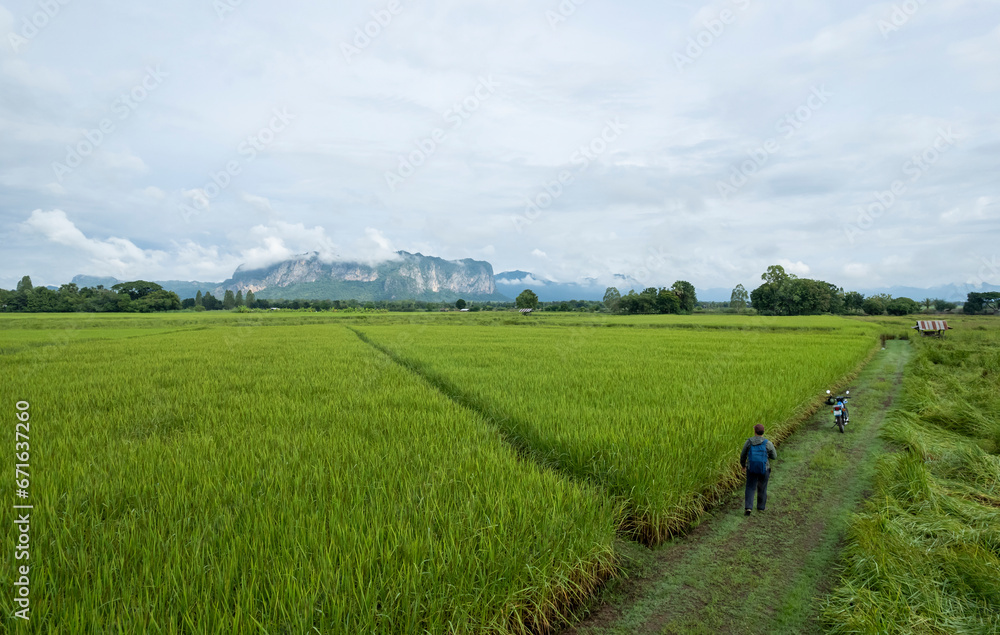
[(280, 480), (292, 473), (651, 415)]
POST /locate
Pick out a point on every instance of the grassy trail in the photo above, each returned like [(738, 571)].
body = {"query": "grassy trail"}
[(767, 573)]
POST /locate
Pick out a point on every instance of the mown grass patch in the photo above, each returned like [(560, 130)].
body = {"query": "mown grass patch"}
[(924, 556)]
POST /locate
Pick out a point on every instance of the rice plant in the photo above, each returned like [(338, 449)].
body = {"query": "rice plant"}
[(220, 476), (655, 416)]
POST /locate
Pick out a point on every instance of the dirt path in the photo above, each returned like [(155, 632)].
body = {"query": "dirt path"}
[(766, 573)]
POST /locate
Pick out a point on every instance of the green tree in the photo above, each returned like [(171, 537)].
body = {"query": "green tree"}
[(526, 300), (228, 300), (764, 299), (629, 302), (161, 300), (69, 297), (902, 306), (250, 300), (460, 304), (42, 300), (686, 294), (853, 301), (775, 275), (210, 302), (137, 288), (24, 285), (198, 299), (612, 299), (738, 299), (944, 305), (239, 297), (873, 305), (647, 300), (979, 302), (667, 301)]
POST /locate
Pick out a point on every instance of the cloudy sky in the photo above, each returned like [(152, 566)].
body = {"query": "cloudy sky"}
[(850, 141)]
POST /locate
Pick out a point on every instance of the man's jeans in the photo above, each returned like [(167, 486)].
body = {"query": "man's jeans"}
[(758, 483)]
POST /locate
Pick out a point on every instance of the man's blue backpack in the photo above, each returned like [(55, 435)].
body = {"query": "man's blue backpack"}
[(757, 459)]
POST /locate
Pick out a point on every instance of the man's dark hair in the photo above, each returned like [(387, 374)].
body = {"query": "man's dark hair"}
[(759, 428)]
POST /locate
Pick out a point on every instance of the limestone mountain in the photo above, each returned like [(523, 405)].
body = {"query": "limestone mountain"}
[(410, 277)]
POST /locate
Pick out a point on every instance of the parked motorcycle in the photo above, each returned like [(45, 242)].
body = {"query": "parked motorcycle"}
[(840, 414)]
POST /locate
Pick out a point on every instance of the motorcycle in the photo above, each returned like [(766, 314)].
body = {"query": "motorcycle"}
[(840, 414)]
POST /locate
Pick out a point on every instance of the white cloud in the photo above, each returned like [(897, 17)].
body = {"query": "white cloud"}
[(982, 55), (260, 203), (197, 198), (319, 185), (798, 268), (857, 271), (112, 255), (528, 279), (279, 241)]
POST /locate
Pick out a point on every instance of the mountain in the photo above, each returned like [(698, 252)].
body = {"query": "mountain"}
[(410, 277), (514, 282), (949, 292), (183, 288)]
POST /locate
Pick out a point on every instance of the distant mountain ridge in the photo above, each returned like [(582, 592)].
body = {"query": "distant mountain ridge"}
[(183, 288), (409, 277), (513, 282), (419, 277)]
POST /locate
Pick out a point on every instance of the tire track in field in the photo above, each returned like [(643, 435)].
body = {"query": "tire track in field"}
[(766, 573), (521, 449)]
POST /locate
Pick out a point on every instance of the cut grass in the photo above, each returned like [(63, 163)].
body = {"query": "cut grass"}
[(924, 556)]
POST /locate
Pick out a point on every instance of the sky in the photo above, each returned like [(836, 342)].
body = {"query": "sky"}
[(853, 142)]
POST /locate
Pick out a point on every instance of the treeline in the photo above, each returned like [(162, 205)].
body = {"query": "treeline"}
[(137, 296), (679, 298), (783, 293), (988, 302), (230, 301)]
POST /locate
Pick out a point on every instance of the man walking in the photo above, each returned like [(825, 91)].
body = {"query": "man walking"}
[(754, 459)]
